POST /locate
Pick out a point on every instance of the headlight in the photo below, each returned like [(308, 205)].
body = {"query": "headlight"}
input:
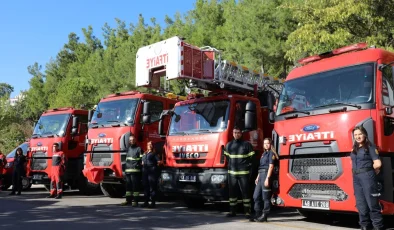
[(217, 179), (9, 165), (165, 177)]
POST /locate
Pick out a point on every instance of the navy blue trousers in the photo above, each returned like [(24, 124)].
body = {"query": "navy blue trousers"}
[(367, 199)]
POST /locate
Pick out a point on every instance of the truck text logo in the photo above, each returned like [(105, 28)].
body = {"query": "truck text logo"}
[(40, 148), (101, 141), (156, 61), (189, 151), (311, 136)]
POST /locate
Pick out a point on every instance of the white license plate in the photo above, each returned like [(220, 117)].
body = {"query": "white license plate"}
[(187, 178), (37, 177), (316, 204)]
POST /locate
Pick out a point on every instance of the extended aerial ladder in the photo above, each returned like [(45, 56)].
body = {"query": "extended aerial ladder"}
[(201, 68)]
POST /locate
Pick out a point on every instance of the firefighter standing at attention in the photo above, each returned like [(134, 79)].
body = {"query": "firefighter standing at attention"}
[(365, 165), (239, 155), (58, 169), (133, 172)]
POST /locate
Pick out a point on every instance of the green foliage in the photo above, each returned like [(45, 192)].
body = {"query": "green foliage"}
[(5, 90)]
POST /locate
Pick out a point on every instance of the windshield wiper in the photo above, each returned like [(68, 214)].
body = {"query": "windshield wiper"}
[(112, 121), (340, 103), (295, 111), (35, 135), (204, 131), (179, 133)]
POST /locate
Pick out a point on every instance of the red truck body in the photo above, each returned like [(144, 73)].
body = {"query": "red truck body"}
[(68, 128), (334, 93), (116, 117)]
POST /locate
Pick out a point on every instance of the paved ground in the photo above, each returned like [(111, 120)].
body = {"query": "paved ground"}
[(33, 211)]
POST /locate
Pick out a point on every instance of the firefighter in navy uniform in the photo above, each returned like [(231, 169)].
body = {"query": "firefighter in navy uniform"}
[(150, 164), (263, 192), (57, 172), (365, 165), (3, 162), (133, 173), (19, 171), (239, 155)]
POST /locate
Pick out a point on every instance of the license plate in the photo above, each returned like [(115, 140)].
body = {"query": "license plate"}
[(37, 177), (187, 178), (316, 204)]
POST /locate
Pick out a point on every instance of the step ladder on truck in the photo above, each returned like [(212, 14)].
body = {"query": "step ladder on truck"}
[(200, 127)]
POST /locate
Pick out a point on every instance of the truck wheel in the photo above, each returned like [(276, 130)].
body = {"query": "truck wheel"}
[(87, 188), (194, 202), (26, 184), (113, 190)]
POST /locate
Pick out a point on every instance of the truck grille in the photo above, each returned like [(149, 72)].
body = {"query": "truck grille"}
[(318, 191), (39, 161), (315, 168), (101, 159)]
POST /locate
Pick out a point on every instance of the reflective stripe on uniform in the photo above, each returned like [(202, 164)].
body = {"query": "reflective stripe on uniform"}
[(238, 172), (133, 170), (128, 193), (240, 155), (133, 159), (233, 199), (136, 193), (246, 200)]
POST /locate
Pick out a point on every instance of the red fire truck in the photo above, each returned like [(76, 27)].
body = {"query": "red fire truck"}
[(67, 127), (320, 104), (200, 127), (115, 118)]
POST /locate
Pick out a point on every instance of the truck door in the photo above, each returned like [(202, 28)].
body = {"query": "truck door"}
[(151, 130)]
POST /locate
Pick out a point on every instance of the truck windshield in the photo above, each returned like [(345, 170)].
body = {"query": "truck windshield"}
[(350, 85), (202, 117), (115, 112), (52, 125)]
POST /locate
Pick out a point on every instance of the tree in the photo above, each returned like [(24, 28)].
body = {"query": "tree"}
[(329, 24), (5, 90)]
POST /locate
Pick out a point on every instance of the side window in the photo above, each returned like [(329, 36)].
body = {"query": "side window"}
[(240, 111), (387, 86), (156, 107)]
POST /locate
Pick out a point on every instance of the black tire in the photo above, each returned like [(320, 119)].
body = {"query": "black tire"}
[(194, 202), (87, 188), (113, 190)]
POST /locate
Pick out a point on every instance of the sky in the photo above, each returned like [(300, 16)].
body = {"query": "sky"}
[(35, 31)]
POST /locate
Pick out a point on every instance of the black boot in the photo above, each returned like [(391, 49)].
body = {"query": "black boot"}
[(51, 196), (364, 228), (145, 204), (256, 215), (11, 194), (262, 218), (59, 196)]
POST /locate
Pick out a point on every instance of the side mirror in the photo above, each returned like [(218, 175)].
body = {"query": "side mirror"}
[(388, 110), (90, 115), (74, 129), (250, 116), (271, 117), (161, 128), (270, 101), (146, 116)]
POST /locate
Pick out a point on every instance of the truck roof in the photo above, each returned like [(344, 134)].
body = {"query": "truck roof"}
[(132, 94), (339, 61), (64, 110)]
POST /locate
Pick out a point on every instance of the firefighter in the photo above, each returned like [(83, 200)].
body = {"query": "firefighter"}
[(18, 172), (239, 155), (365, 165), (150, 164), (133, 172), (3, 162), (262, 191), (57, 172)]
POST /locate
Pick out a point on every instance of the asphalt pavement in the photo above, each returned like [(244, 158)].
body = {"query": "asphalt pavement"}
[(32, 211)]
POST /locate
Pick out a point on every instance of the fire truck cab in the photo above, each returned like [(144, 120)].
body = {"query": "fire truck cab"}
[(320, 104)]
